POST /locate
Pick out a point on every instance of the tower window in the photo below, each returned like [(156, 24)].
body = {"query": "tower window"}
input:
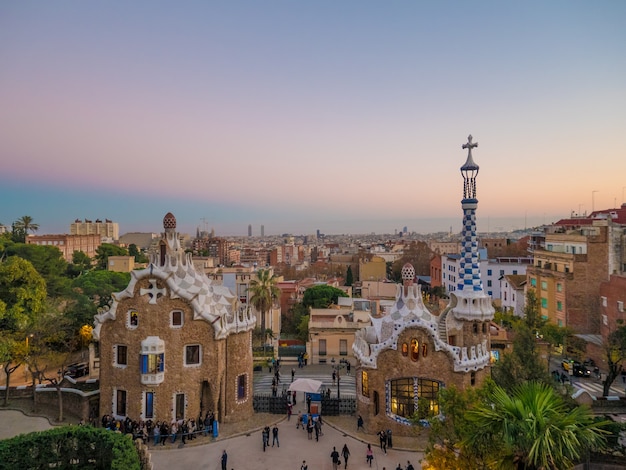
[(241, 387), (415, 350), (121, 355)]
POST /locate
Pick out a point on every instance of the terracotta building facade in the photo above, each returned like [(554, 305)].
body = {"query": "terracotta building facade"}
[(173, 344)]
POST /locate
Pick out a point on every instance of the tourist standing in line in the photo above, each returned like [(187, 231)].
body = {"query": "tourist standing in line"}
[(345, 453)]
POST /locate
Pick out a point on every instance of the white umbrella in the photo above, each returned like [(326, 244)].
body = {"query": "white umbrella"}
[(305, 385)]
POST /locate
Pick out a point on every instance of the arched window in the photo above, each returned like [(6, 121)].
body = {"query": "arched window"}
[(404, 401), (415, 349), (405, 349), (424, 350)]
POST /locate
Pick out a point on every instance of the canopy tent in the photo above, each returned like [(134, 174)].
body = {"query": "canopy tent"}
[(305, 385)]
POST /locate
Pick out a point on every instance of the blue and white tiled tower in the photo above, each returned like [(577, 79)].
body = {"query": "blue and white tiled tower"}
[(472, 303)]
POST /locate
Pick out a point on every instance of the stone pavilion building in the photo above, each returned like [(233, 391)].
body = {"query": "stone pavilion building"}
[(407, 356), (174, 345)]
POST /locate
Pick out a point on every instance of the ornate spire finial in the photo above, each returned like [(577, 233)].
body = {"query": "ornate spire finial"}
[(470, 145)]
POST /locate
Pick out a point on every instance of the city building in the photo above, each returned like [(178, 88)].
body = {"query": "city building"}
[(108, 229), (409, 354), (68, 244), (571, 262), (121, 264), (141, 240), (174, 345), (513, 293), (491, 270), (332, 330)]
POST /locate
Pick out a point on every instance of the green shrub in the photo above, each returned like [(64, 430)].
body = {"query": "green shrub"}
[(70, 447)]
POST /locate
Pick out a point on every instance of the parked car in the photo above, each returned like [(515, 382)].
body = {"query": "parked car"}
[(78, 369)]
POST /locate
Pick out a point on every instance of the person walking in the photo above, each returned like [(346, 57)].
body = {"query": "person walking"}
[(224, 459), (334, 455), (304, 466), (345, 453), (275, 436), (293, 374), (369, 454)]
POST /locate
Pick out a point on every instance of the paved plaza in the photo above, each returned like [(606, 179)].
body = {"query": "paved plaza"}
[(244, 445)]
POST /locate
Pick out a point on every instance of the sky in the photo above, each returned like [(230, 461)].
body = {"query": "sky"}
[(343, 116)]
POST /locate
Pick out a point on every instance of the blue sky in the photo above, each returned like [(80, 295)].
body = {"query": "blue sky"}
[(344, 116)]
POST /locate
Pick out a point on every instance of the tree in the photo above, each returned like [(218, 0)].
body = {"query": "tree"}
[(81, 263), (264, 293), (138, 255), (22, 298), (446, 448), (49, 262), (12, 354), (349, 276), (615, 353), (22, 226), (22, 294), (533, 428), (105, 250), (322, 296)]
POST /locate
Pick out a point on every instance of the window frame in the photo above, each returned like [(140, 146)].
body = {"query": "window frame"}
[(116, 355), (186, 355)]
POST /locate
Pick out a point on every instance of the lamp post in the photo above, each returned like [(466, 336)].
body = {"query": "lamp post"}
[(338, 379)]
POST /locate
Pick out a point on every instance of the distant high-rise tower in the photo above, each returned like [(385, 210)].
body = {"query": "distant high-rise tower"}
[(250, 230), (262, 230)]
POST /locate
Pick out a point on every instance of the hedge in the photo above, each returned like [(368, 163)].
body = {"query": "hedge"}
[(70, 447)]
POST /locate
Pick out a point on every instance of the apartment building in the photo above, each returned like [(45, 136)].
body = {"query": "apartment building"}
[(68, 244), (107, 229)]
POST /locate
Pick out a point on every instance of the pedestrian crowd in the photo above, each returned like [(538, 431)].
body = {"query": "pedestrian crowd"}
[(160, 432)]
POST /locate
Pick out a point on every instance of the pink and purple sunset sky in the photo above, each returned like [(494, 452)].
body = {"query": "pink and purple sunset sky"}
[(346, 116)]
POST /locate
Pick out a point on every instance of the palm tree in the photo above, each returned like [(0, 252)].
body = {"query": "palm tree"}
[(26, 223), (264, 293), (534, 429), (22, 226)]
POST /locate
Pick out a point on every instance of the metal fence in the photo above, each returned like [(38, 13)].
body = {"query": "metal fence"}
[(266, 403)]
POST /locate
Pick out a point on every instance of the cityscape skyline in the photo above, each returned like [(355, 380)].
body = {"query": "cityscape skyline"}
[(347, 118)]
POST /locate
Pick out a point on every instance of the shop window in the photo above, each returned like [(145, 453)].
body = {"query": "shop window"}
[(322, 347)]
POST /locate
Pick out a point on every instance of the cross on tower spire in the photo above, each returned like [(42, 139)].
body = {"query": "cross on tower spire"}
[(470, 145)]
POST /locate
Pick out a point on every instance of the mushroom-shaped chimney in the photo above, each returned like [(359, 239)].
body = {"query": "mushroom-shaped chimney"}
[(169, 221)]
